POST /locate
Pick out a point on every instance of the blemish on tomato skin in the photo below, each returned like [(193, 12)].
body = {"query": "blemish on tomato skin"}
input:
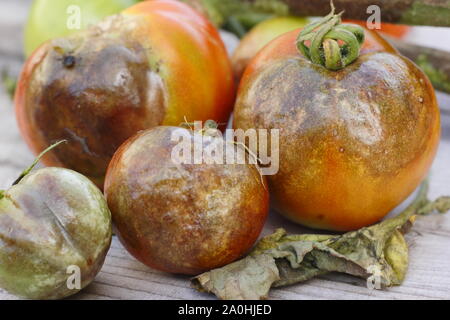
[(374, 90), (69, 61), (203, 201)]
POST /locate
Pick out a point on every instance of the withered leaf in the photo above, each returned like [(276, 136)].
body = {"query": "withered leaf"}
[(378, 253)]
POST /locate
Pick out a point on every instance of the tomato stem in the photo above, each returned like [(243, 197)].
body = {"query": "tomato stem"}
[(36, 161), (332, 44)]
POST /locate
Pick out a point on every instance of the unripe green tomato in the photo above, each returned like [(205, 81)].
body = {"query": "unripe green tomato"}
[(50, 19), (55, 232)]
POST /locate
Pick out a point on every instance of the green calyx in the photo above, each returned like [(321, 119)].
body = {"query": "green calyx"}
[(332, 44)]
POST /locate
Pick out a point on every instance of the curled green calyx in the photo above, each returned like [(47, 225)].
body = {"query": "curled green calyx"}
[(332, 44)]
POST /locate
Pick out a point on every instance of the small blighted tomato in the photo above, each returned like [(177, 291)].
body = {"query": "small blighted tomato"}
[(158, 62), (55, 231), (49, 19), (180, 217), (357, 133)]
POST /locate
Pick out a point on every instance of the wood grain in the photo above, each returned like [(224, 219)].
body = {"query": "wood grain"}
[(122, 277)]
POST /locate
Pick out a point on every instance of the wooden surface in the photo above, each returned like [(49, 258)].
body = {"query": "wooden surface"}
[(122, 277)]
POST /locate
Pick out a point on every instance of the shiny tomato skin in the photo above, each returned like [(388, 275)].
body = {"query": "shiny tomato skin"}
[(158, 62), (182, 218), (199, 73), (353, 143)]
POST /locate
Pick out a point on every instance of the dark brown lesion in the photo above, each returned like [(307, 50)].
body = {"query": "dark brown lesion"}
[(69, 61), (94, 91)]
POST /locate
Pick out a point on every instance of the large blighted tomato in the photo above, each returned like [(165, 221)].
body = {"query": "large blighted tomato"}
[(158, 62), (356, 137)]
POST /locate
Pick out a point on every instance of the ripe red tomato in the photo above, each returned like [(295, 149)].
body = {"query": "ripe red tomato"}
[(159, 62)]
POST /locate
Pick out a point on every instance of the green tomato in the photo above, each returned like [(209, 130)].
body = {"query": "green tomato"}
[(53, 223), (50, 19)]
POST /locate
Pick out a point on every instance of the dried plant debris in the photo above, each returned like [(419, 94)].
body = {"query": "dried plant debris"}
[(378, 253)]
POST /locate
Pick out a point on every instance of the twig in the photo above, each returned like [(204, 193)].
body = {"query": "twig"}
[(412, 12)]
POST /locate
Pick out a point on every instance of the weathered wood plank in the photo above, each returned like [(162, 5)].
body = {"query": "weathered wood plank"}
[(122, 277), (13, 14)]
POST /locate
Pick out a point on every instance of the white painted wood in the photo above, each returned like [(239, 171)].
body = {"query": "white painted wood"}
[(122, 277)]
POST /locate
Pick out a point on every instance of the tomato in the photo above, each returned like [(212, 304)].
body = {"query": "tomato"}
[(159, 62), (57, 208), (354, 143), (49, 19), (187, 218)]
